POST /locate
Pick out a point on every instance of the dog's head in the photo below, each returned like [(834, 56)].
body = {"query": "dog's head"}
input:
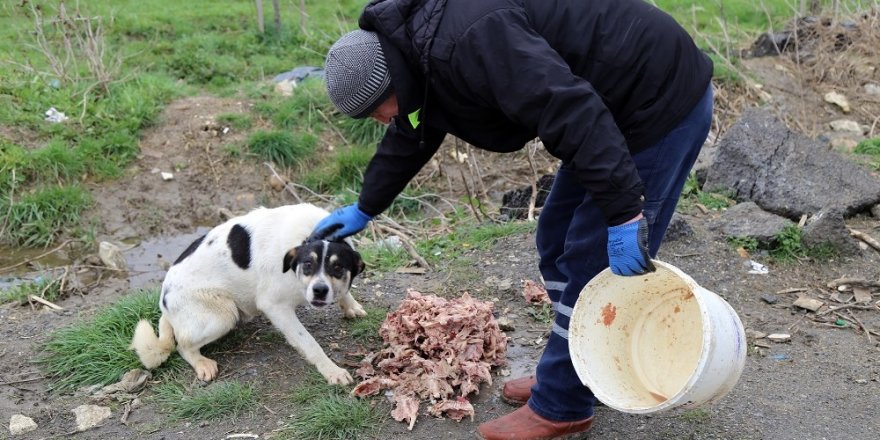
[(325, 268)]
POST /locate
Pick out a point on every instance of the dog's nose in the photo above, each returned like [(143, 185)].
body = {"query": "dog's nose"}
[(320, 291)]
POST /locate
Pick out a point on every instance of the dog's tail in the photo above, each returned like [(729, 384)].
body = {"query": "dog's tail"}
[(153, 350)]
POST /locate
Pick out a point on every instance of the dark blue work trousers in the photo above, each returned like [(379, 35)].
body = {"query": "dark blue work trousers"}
[(572, 242)]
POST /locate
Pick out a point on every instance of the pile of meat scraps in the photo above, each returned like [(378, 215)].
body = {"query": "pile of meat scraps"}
[(436, 350), (535, 293)]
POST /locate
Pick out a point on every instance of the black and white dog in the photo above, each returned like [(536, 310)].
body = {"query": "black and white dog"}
[(264, 261)]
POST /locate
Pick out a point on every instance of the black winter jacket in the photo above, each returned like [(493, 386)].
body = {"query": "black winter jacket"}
[(595, 80)]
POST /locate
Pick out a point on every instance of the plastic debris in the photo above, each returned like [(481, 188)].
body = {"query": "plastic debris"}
[(53, 115), (300, 74), (758, 268), (167, 176)]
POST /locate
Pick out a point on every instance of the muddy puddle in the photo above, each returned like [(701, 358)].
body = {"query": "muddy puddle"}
[(149, 259)]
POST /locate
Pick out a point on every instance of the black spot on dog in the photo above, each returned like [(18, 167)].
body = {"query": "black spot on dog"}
[(165, 292), (192, 248), (210, 242), (239, 242)]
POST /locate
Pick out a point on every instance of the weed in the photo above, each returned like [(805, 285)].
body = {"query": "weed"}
[(787, 245), (366, 329), (43, 287), (870, 148), (748, 243), (329, 412), (542, 313), (281, 147), (95, 352), (692, 194), (219, 399), (237, 121)]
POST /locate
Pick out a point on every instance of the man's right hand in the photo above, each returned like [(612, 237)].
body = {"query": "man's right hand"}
[(341, 223)]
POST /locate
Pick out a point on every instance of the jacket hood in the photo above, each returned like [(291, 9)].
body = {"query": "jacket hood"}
[(406, 31)]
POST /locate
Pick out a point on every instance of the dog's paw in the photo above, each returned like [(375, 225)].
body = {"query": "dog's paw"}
[(354, 311), (206, 369), (336, 375)]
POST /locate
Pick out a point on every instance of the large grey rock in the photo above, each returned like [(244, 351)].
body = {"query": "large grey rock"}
[(747, 219), (829, 229), (679, 228), (761, 160)]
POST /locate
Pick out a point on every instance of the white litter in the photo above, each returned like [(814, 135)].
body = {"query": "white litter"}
[(53, 115), (167, 176), (758, 268)]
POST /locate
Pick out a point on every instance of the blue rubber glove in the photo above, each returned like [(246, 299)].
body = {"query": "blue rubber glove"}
[(341, 223), (628, 249)]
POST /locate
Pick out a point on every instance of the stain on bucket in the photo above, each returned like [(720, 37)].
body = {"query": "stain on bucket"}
[(609, 312)]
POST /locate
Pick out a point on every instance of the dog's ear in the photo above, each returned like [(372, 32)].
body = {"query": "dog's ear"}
[(289, 258), (359, 265)]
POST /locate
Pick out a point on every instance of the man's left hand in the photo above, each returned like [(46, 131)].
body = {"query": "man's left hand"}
[(628, 249)]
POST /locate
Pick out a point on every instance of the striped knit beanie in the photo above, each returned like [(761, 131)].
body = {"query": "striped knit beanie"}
[(356, 74)]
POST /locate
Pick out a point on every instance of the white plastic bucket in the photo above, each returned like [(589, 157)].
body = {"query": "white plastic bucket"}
[(655, 342)]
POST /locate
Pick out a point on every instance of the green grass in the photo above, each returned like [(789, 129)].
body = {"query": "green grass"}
[(366, 329), (37, 218), (281, 147), (45, 287), (329, 412), (338, 171), (237, 121), (871, 149), (468, 237), (218, 399), (95, 351)]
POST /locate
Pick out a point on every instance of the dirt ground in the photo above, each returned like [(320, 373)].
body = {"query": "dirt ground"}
[(823, 384)]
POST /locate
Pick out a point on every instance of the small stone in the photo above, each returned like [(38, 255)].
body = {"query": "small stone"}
[(810, 304), (754, 334), (90, 416), (111, 256), (505, 324), (167, 176), (779, 337), (872, 89), (844, 144), (769, 298), (839, 100), (846, 125), (21, 424), (277, 183)]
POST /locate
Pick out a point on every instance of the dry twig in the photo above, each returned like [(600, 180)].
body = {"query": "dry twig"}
[(870, 241)]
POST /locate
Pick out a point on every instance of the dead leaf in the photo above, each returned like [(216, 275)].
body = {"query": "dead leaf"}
[(862, 294)]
